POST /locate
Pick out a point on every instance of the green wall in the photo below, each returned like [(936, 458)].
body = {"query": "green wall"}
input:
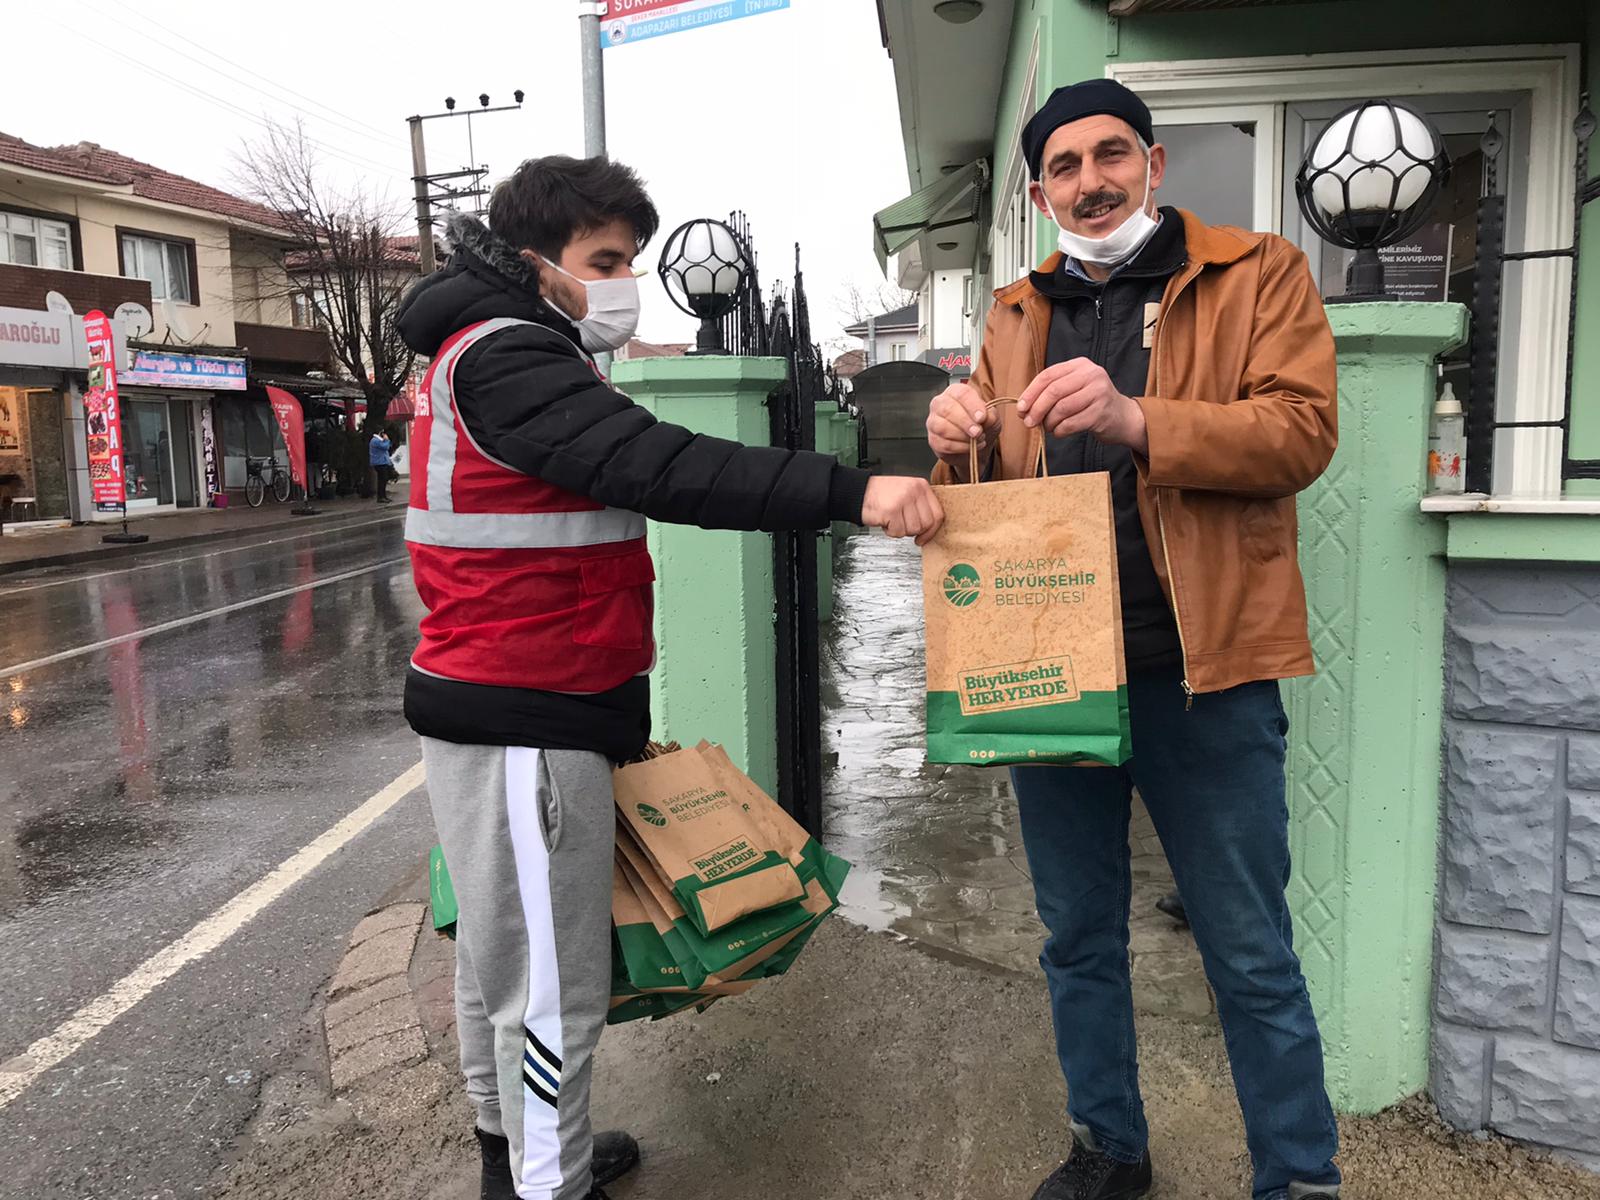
[(1077, 40)]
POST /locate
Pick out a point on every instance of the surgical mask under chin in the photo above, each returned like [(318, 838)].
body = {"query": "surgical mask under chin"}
[(613, 315), (1118, 246)]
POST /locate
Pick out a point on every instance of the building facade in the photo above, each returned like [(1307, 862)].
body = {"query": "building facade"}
[(1469, 965), (195, 283)]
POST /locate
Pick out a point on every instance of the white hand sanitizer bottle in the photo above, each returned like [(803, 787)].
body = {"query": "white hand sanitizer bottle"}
[(1447, 445)]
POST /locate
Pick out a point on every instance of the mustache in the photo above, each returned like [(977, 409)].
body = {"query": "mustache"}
[(1095, 200)]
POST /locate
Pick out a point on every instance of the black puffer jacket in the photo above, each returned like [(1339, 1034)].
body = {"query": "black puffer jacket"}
[(532, 399)]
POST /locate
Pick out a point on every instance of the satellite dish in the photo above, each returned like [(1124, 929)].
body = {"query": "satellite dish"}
[(57, 303), (171, 314), (136, 319)]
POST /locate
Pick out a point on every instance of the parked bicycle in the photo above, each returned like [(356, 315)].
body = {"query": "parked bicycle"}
[(264, 473)]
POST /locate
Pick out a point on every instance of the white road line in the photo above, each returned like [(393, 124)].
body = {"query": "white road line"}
[(17, 1073), (171, 562), (35, 663)]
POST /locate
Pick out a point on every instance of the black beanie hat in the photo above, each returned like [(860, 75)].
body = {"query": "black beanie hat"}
[(1091, 98)]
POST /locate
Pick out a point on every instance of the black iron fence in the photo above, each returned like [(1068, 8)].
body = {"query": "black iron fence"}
[(1483, 422), (781, 327)]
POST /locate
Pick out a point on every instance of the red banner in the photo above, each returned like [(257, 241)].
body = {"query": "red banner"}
[(103, 416), (292, 424)]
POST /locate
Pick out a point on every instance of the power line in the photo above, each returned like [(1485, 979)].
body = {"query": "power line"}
[(386, 137), (352, 157)]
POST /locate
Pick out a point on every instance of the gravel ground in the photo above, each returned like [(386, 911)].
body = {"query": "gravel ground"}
[(872, 1070)]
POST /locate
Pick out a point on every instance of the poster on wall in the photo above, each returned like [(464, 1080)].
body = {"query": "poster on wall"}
[(10, 420), (1418, 269), (102, 417), (208, 448)]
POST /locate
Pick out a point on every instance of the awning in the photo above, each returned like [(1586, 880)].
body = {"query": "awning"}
[(956, 199)]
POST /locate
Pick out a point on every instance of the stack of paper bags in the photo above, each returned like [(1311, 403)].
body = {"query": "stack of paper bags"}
[(713, 886)]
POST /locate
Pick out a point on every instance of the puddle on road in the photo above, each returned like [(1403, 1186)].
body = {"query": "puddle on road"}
[(937, 849)]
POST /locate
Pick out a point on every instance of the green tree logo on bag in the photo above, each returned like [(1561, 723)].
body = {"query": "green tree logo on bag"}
[(962, 584), (651, 814)]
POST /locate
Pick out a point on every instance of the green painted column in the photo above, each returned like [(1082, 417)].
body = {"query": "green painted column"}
[(822, 418), (714, 675), (1364, 752), (846, 447)]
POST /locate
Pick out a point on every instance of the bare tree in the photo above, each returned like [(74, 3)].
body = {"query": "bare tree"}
[(858, 303), (349, 264)]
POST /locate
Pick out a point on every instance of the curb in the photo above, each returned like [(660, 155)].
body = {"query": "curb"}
[(158, 544), (372, 1023)]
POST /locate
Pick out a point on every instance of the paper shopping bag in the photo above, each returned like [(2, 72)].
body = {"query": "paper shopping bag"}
[(1024, 623), (720, 863)]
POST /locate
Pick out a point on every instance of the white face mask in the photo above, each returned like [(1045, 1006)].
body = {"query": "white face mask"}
[(613, 315), (1118, 246)]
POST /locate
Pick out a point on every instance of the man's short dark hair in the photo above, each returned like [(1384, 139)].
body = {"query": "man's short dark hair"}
[(548, 201)]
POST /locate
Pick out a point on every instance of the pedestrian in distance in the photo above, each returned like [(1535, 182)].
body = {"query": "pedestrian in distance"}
[(382, 467), (1194, 363), (531, 479)]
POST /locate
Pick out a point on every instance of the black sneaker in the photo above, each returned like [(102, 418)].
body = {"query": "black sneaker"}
[(1089, 1175), (497, 1183), (615, 1154)]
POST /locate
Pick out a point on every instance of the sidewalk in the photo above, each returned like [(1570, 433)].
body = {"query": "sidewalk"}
[(28, 549), (911, 1060), (873, 1071)]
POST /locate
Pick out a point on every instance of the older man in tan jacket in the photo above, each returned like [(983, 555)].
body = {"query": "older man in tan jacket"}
[(1194, 364)]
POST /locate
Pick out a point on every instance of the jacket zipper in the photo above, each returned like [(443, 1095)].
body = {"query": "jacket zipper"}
[(1161, 524)]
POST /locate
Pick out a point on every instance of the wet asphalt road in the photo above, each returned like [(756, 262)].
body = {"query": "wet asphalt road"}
[(143, 785)]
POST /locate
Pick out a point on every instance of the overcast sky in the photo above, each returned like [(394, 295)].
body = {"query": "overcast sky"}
[(789, 115)]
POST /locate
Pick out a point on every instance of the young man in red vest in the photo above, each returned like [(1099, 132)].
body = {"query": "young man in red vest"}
[(531, 481)]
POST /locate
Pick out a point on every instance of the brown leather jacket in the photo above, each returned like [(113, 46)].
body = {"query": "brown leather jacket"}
[(1241, 416)]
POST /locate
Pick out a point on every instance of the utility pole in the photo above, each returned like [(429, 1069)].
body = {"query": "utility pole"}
[(450, 196), (419, 179), (594, 78)]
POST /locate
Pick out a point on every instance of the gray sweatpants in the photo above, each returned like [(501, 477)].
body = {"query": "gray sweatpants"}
[(528, 836)]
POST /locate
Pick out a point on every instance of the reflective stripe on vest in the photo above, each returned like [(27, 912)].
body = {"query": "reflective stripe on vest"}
[(522, 531), (439, 524)]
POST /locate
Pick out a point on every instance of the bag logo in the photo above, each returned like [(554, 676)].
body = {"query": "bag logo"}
[(962, 585), (651, 814)]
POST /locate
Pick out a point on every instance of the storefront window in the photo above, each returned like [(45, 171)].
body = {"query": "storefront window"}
[(147, 453), (248, 431), (1211, 170)]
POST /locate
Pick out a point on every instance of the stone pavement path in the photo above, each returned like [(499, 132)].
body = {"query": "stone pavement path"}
[(937, 849)]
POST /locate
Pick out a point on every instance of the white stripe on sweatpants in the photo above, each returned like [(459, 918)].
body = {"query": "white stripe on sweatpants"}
[(540, 1177)]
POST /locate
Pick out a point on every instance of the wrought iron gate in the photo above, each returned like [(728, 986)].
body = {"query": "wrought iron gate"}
[(782, 328)]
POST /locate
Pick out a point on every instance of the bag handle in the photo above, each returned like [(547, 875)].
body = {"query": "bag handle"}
[(1036, 461)]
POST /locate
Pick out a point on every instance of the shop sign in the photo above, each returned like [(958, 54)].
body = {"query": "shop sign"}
[(635, 20), (208, 444), (31, 338), (957, 360), (158, 368), (103, 416)]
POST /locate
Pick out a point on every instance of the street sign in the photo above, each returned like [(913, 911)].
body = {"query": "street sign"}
[(637, 20)]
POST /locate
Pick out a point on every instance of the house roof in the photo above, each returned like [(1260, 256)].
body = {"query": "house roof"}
[(93, 162), (899, 318), (638, 348)]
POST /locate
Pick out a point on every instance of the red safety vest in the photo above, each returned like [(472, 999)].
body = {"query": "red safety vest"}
[(526, 585)]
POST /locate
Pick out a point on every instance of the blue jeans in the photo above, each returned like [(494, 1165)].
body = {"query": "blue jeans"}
[(1212, 780)]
